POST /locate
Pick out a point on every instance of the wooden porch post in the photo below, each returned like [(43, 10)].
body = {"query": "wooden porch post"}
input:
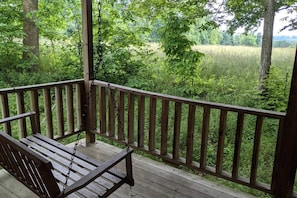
[(285, 165), (89, 96)]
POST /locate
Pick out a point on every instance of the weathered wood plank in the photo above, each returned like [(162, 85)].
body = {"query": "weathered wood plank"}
[(220, 149), (141, 115), (21, 109), (111, 112), (277, 154), (70, 114), (190, 134), (5, 112), (11, 188), (176, 132), (121, 117), (48, 112), (256, 149), (164, 127), (59, 111), (102, 109), (155, 179), (237, 146), (131, 105), (79, 106), (40, 86), (204, 138), (35, 107), (152, 124)]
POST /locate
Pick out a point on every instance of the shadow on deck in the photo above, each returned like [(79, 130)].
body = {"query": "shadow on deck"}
[(152, 179)]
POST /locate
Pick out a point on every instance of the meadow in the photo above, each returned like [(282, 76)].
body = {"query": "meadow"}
[(228, 74)]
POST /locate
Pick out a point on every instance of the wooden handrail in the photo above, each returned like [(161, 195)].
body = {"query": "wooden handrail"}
[(232, 108), (39, 86), (53, 104), (154, 123), (147, 129)]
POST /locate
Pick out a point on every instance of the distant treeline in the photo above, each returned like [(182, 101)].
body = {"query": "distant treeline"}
[(217, 37)]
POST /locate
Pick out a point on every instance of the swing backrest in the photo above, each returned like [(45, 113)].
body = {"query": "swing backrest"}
[(30, 168)]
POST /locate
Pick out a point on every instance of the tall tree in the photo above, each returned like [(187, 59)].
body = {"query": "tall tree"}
[(267, 38), (31, 32), (249, 14)]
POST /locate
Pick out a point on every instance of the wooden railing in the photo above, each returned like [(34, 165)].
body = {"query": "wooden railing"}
[(192, 133), (54, 103), (196, 134)]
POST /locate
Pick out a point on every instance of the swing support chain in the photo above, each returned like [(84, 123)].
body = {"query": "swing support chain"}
[(98, 64)]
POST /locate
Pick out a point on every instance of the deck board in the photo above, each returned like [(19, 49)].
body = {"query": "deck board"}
[(152, 179)]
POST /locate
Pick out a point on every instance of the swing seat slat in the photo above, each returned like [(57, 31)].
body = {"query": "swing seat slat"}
[(42, 165)]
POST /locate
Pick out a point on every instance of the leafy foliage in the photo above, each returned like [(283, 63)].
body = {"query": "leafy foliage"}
[(120, 40), (277, 96), (249, 14), (10, 35), (182, 60)]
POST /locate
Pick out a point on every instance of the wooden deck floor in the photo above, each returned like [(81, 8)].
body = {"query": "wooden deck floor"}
[(152, 179)]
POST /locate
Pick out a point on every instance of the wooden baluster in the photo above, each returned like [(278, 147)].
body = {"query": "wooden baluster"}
[(70, 114), (102, 109), (256, 149), (141, 113), (190, 134), (48, 112), (204, 138), (111, 113), (152, 124), (21, 109), (237, 146), (220, 149), (176, 135), (59, 110), (164, 127), (79, 112), (5, 112), (280, 134), (35, 108), (131, 105), (121, 110)]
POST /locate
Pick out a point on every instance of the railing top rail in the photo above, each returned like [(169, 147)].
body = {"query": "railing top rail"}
[(233, 108), (40, 86)]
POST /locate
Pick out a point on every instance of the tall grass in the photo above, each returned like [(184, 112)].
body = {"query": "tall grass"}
[(227, 74)]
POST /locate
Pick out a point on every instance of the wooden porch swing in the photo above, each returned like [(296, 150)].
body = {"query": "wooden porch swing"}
[(42, 164), (51, 169)]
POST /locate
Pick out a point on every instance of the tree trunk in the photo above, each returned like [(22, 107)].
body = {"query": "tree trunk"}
[(266, 43), (31, 33)]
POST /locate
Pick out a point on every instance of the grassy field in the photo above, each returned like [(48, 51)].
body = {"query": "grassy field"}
[(227, 74)]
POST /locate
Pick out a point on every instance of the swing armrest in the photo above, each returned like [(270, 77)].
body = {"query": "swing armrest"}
[(84, 181), (31, 114), (17, 117)]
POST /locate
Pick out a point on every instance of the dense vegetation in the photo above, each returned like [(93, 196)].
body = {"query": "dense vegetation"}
[(173, 66)]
